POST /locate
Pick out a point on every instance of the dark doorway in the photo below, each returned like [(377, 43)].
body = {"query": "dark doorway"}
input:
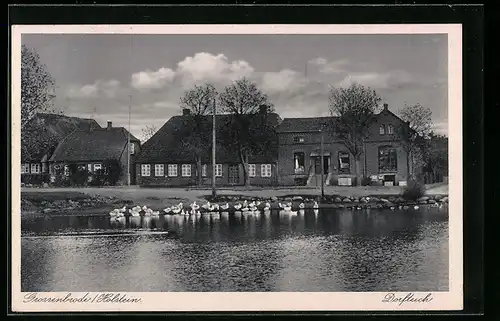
[(234, 174), (326, 164), (318, 164)]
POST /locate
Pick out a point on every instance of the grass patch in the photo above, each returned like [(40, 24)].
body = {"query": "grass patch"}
[(53, 196)]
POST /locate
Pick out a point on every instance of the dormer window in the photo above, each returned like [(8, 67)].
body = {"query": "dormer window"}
[(298, 139), (382, 130)]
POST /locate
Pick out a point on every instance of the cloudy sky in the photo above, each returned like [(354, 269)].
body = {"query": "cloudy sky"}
[(97, 74)]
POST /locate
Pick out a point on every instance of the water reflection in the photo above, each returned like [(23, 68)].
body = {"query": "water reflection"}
[(337, 250)]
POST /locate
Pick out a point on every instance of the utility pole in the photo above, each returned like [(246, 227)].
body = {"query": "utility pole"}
[(322, 168), (213, 150), (128, 140)]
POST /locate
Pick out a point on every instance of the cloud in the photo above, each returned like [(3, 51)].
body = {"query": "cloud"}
[(99, 88), (282, 81), (330, 67), (395, 79), (148, 79), (441, 127), (207, 67), (155, 93)]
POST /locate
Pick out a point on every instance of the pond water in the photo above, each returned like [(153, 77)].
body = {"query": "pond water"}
[(326, 251)]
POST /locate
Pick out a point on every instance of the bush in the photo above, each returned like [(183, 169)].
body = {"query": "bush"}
[(98, 178), (78, 175), (301, 181), (113, 171), (334, 181), (108, 175), (35, 179), (413, 190), (366, 181)]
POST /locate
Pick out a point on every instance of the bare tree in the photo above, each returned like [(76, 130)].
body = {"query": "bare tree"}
[(355, 107), (414, 133), (148, 132), (200, 101), (245, 133), (37, 94)]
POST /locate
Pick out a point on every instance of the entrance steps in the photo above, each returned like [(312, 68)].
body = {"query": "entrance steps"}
[(315, 180)]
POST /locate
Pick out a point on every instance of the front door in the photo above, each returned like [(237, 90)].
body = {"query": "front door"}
[(234, 174), (326, 164), (318, 164)]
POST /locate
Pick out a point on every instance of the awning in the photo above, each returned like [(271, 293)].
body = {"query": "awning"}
[(319, 154)]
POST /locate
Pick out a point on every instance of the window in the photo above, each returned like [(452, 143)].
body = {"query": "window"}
[(299, 162), (145, 170), (186, 170), (132, 148), (382, 130), (172, 170), (35, 168), (97, 167), (204, 170), (251, 170), (344, 163), (66, 170), (387, 159), (218, 170), (298, 139), (390, 129), (89, 168), (265, 170), (25, 168), (44, 167), (159, 170), (81, 167)]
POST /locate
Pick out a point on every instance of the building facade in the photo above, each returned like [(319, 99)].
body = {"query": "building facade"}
[(41, 136), (301, 159), (93, 150), (168, 157)]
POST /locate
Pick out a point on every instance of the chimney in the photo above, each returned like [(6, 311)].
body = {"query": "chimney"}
[(386, 106), (110, 125), (186, 111), (263, 109)]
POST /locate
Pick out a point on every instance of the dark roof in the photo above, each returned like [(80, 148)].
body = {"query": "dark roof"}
[(45, 131), (166, 145), (302, 125), (311, 124), (93, 145)]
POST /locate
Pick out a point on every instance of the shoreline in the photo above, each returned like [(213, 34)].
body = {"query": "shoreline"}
[(73, 203)]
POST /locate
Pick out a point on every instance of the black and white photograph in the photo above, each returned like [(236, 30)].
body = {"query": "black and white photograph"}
[(161, 161)]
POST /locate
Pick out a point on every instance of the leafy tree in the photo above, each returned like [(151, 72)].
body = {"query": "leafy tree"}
[(354, 107), (414, 134), (200, 101), (37, 94), (247, 132), (148, 132), (437, 160)]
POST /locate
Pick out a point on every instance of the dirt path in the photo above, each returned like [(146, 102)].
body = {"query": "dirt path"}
[(437, 189), (170, 196)]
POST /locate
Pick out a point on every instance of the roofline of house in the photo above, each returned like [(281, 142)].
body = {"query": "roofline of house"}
[(61, 142)]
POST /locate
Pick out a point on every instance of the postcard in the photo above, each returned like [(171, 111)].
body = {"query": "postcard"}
[(236, 167)]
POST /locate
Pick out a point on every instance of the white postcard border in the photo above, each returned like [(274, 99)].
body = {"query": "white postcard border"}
[(248, 301)]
